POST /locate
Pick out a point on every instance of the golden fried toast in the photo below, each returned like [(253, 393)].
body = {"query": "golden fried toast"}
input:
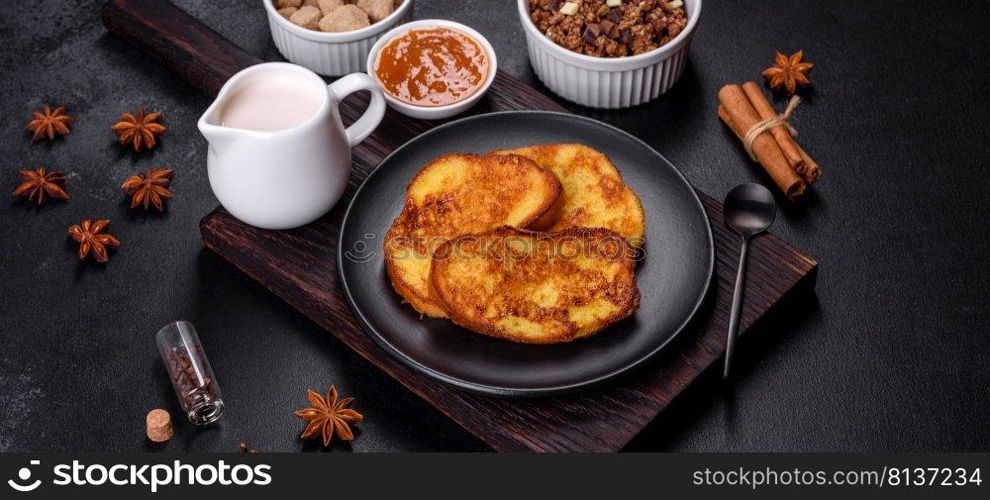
[(459, 194), (594, 193), (536, 288)]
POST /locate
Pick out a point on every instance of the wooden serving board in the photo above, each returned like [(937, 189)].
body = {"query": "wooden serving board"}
[(299, 266)]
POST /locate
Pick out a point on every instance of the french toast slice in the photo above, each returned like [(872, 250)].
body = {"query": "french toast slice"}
[(459, 194), (536, 288), (594, 193)]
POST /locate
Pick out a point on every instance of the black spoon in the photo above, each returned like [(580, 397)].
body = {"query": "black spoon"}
[(749, 210)]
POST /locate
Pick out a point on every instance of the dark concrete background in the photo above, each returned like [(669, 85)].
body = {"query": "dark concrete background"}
[(891, 354)]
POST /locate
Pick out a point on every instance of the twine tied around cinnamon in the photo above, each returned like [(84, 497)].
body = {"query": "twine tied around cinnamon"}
[(765, 125)]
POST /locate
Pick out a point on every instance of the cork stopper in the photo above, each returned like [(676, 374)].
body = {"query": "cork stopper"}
[(159, 425)]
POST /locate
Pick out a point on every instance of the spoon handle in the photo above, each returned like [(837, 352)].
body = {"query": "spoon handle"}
[(737, 294)]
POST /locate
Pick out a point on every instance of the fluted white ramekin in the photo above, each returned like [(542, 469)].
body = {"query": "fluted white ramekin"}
[(330, 54), (602, 82)]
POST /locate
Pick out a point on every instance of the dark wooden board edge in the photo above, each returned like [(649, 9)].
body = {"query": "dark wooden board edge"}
[(178, 41)]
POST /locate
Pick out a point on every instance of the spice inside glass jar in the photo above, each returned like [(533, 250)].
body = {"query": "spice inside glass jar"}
[(190, 372)]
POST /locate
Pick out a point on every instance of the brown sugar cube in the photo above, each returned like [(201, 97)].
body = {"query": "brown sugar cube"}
[(377, 9), (159, 425), (287, 11), (281, 4), (307, 16), (328, 6), (346, 18)]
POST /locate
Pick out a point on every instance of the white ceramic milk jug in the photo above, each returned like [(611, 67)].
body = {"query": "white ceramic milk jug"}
[(279, 155)]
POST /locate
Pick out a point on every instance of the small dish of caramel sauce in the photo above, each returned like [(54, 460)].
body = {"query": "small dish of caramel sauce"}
[(432, 67)]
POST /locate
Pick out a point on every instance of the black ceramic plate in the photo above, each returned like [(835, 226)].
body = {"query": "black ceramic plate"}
[(672, 279)]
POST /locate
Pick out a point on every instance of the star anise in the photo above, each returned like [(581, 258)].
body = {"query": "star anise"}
[(139, 130), (36, 185), (92, 238), (328, 417), (49, 122), (150, 186), (788, 72)]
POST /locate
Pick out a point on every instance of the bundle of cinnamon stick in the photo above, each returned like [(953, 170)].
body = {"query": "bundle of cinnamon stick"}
[(745, 108)]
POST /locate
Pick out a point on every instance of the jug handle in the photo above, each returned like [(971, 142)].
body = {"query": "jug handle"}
[(364, 126)]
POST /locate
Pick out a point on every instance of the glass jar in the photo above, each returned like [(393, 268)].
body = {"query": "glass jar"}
[(190, 372)]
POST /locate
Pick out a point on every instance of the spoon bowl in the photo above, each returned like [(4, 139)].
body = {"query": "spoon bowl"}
[(749, 209)]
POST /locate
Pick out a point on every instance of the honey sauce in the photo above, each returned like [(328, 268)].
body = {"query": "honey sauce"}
[(432, 67)]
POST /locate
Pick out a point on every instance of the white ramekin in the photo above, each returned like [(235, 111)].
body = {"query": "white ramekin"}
[(330, 54), (601, 82), (435, 112)]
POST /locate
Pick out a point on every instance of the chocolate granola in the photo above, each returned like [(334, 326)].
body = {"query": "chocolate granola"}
[(597, 29)]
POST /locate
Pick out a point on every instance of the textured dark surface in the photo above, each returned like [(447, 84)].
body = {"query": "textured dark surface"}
[(892, 353)]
